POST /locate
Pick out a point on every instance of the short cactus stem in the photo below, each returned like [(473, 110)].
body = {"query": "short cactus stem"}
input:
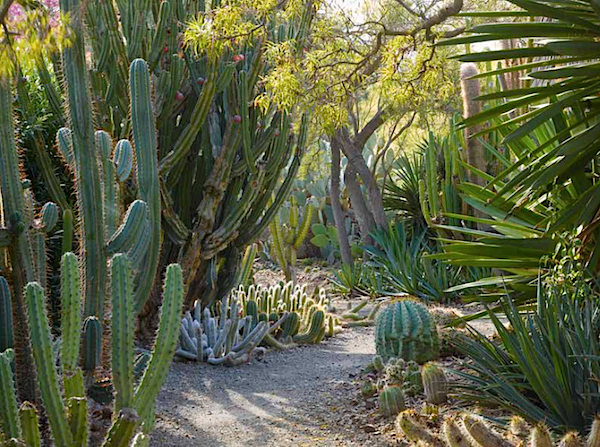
[(391, 401), (482, 433), (30, 425), (407, 425), (435, 384)]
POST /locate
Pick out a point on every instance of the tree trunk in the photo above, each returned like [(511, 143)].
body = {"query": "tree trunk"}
[(334, 195), (363, 214), (352, 151)]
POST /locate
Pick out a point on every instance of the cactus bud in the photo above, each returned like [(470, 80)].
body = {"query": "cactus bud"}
[(435, 384), (237, 119), (200, 81), (276, 133), (166, 49), (238, 58), (519, 428), (179, 96)]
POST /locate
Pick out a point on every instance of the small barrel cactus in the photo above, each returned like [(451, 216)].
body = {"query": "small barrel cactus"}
[(435, 384), (406, 330), (391, 401)]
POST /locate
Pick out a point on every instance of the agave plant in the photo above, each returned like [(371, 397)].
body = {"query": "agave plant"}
[(401, 257)]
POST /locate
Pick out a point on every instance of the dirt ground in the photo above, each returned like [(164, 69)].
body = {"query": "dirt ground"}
[(289, 398), (306, 396)]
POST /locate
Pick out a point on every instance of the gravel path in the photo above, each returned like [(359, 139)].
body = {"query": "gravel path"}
[(289, 398)]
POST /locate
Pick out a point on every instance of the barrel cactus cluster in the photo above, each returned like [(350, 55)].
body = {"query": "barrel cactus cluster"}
[(405, 329), (469, 430), (67, 411), (308, 320)]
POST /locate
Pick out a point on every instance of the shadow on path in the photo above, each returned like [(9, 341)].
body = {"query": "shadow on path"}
[(279, 401)]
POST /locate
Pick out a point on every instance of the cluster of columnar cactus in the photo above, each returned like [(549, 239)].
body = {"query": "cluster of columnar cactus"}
[(288, 231), (472, 431), (308, 320), (67, 411), (226, 157), (405, 329), (227, 338)]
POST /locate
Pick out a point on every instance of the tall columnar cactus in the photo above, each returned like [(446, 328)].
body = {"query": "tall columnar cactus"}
[(6, 326), (20, 250), (206, 151), (406, 330), (288, 234), (67, 415)]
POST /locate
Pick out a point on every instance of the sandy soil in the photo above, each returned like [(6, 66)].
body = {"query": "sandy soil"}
[(289, 398)]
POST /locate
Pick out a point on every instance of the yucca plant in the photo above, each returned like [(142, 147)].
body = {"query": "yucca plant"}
[(544, 366)]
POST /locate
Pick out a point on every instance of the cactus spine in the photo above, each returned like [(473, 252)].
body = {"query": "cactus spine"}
[(406, 330)]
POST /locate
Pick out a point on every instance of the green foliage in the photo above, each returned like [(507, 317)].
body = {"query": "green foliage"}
[(406, 330), (358, 278), (543, 367), (401, 258), (401, 190)]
